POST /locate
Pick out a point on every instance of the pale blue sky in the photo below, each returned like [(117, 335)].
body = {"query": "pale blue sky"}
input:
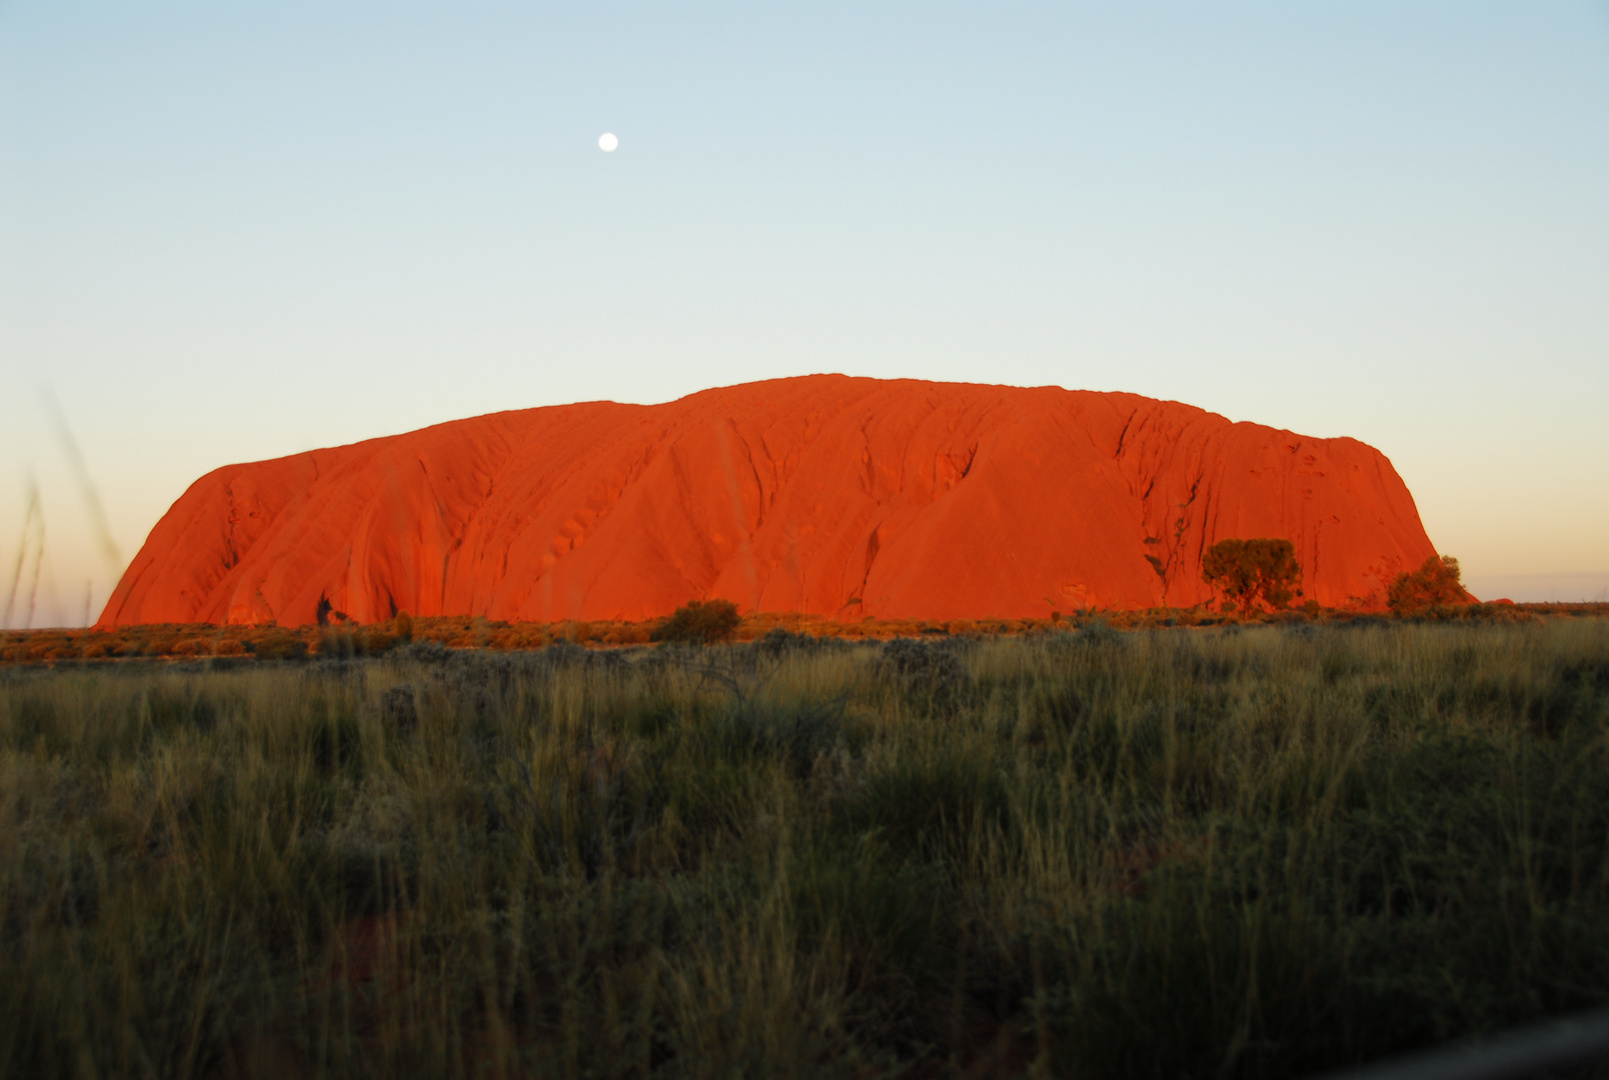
[(234, 231)]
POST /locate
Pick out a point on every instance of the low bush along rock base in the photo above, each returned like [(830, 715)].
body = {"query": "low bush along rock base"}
[(1257, 851)]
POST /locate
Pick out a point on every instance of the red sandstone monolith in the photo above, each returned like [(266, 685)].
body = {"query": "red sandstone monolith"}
[(825, 495)]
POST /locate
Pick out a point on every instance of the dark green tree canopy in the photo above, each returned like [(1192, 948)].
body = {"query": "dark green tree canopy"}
[(1249, 571)]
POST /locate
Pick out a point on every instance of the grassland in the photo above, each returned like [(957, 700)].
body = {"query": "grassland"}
[(1257, 852)]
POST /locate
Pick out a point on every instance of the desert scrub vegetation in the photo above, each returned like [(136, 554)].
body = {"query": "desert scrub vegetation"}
[(1256, 851), (700, 622), (704, 623)]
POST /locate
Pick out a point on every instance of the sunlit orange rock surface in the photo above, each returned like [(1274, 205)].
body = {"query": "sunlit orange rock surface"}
[(825, 495)]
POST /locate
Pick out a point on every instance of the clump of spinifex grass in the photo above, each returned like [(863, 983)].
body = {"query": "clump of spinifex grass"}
[(1245, 852)]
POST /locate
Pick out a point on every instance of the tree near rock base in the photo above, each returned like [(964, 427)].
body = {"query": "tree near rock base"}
[(1435, 584), (1249, 571), (702, 622)]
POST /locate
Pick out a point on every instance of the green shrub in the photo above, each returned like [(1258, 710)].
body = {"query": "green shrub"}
[(701, 622), (1435, 584)]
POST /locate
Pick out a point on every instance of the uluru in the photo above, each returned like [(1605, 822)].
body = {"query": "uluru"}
[(825, 495)]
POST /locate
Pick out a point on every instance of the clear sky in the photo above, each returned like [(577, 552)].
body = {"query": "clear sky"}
[(236, 231)]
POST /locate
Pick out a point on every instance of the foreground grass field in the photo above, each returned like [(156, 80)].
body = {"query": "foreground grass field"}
[(1249, 852)]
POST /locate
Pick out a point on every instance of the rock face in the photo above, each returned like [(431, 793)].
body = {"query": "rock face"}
[(827, 495)]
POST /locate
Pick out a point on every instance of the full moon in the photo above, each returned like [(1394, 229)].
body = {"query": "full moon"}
[(607, 142)]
